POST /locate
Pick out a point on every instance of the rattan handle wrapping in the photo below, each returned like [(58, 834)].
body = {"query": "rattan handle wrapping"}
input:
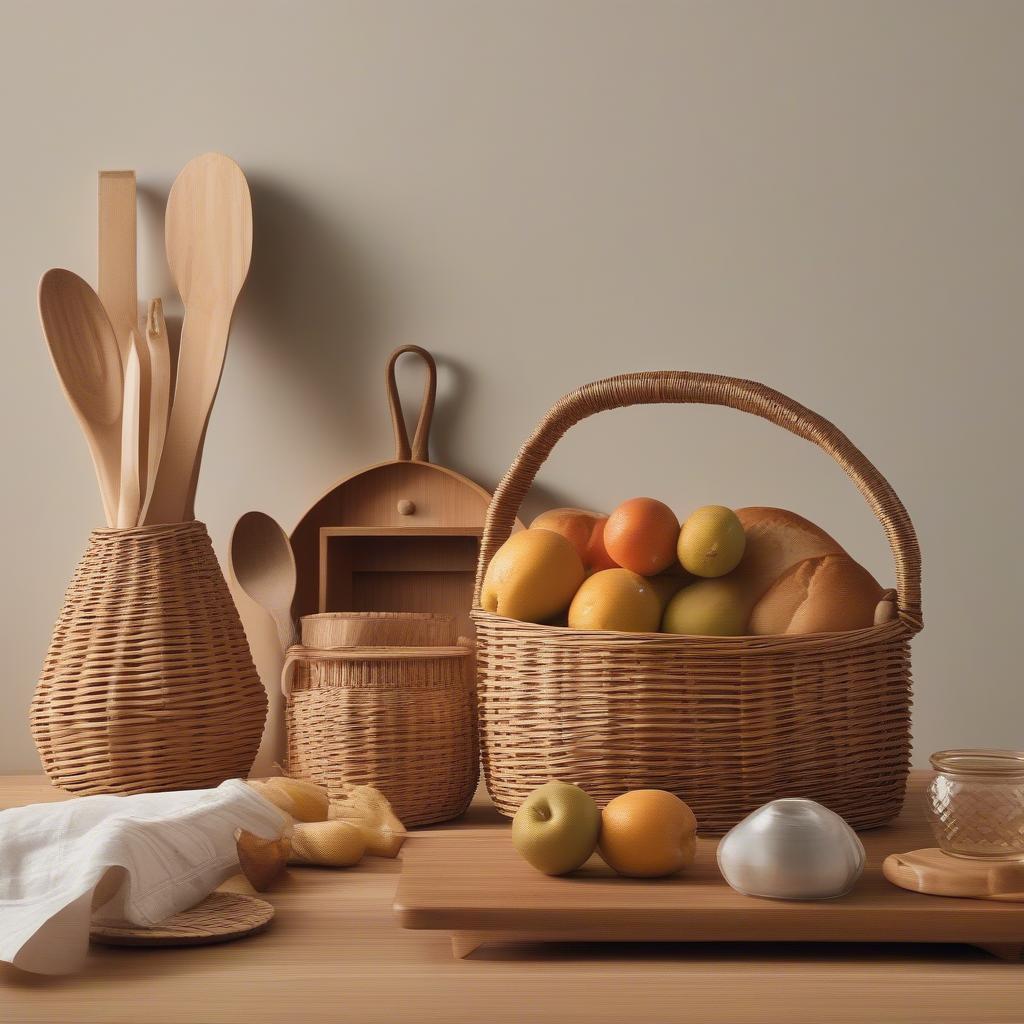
[(680, 387)]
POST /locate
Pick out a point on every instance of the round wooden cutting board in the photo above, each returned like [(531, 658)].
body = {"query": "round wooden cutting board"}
[(934, 872)]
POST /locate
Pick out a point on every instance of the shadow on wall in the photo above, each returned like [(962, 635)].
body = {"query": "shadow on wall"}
[(313, 301), (317, 307)]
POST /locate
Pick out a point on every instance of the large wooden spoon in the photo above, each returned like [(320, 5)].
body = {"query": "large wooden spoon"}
[(263, 564), (85, 352), (208, 236)]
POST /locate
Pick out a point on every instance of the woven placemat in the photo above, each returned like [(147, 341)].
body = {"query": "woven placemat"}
[(221, 917)]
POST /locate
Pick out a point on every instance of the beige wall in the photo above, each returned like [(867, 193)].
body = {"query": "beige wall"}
[(823, 196)]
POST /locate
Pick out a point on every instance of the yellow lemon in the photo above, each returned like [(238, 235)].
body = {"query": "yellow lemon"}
[(711, 542)]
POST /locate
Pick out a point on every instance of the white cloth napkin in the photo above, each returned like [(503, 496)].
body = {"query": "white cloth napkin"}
[(115, 859)]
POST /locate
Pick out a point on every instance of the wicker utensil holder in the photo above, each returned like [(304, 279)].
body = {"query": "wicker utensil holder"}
[(402, 719), (148, 684), (727, 723)]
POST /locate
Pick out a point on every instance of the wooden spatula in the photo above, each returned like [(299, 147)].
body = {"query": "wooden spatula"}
[(118, 255), (159, 394), (208, 236), (84, 350), (130, 495)]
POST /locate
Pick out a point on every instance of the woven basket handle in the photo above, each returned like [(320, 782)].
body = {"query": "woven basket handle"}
[(292, 657), (421, 439), (679, 387)]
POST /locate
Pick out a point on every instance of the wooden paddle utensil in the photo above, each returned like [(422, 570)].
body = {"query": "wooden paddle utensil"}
[(159, 394), (129, 499), (85, 353), (208, 236), (264, 566), (117, 287), (118, 255)]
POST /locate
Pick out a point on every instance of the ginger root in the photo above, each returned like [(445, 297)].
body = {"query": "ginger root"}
[(332, 844), (369, 810)]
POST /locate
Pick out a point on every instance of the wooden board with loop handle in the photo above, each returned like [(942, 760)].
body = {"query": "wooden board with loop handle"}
[(401, 535)]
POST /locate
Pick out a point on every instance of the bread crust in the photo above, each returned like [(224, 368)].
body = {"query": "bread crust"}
[(828, 594)]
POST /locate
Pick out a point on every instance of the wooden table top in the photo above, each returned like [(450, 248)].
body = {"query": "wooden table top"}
[(336, 953)]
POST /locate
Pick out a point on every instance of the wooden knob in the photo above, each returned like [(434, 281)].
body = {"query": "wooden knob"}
[(406, 507)]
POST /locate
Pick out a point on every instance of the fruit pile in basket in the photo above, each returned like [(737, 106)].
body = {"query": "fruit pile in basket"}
[(753, 571)]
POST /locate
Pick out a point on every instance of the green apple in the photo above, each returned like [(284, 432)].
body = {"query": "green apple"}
[(556, 828)]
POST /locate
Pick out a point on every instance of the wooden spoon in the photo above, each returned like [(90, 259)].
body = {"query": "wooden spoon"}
[(263, 564), (85, 353), (208, 236), (129, 500)]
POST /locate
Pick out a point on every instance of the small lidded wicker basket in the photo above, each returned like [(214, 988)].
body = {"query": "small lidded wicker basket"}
[(402, 719), (726, 723)]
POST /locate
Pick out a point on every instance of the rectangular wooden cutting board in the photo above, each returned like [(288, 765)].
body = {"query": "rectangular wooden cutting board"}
[(473, 885)]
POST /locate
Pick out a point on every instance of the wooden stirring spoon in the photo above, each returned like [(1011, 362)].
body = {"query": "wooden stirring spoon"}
[(85, 352), (263, 564), (208, 236), (129, 499)]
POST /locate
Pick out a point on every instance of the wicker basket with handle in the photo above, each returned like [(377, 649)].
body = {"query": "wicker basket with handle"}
[(402, 719), (727, 723)]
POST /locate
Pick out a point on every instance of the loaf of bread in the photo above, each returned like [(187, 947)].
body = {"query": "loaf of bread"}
[(776, 541), (827, 594)]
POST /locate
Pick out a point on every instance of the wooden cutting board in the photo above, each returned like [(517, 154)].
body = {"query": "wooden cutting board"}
[(476, 887), (935, 872), (402, 535)]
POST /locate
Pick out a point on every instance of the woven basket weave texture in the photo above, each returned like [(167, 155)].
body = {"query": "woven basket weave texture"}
[(148, 683), (400, 719)]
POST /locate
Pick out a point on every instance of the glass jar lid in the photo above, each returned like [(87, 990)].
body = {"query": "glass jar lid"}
[(990, 764)]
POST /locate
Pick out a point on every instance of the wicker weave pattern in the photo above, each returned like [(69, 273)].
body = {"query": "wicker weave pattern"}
[(726, 723), (400, 719), (221, 917), (148, 684)]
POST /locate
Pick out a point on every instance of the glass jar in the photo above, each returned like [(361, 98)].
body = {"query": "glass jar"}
[(976, 803)]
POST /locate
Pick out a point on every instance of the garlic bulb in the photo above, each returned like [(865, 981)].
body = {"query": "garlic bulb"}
[(792, 849)]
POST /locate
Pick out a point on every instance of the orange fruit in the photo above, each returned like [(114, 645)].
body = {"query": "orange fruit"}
[(648, 833), (616, 599), (583, 529), (532, 577), (597, 557), (641, 535)]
